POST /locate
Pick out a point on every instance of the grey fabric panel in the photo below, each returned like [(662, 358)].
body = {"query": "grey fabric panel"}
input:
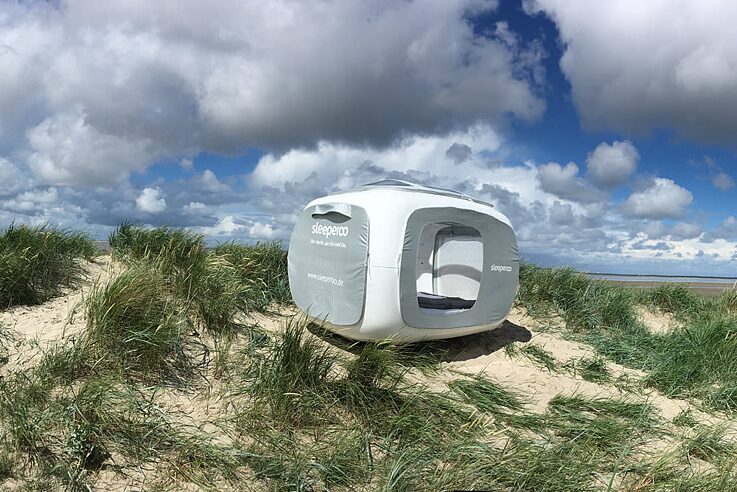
[(328, 254), (499, 277)]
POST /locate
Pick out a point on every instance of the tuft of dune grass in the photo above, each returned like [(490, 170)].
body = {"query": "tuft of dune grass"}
[(213, 292), (583, 303), (65, 434), (264, 266), (136, 323), (485, 394), (172, 247), (698, 359), (216, 284), (292, 379), (37, 262)]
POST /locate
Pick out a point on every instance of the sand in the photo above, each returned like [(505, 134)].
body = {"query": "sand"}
[(483, 353), (656, 321), (37, 328), (34, 329)]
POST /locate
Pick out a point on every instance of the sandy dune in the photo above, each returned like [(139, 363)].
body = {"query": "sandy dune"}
[(37, 328), (34, 329)]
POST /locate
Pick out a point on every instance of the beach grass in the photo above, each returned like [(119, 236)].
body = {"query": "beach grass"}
[(263, 265), (539, 356), (486, 395), (136, 324), (36, 263), (593, 369), (174, 248), (215, 283), (295, 409), (696, 359)]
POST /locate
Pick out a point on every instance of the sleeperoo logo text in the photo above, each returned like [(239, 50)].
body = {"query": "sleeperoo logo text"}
[(500, 268), (329, 230)]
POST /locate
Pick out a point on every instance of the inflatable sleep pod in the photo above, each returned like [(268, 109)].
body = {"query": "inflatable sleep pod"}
[(398, 260)]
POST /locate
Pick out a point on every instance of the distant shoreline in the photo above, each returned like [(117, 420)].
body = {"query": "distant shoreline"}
[(705, 286), (655, 275)]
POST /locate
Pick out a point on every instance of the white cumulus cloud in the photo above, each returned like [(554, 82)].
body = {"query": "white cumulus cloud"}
[(610, 165), (259, 230), (685, 230), (639, 65), (662, 199), (208, 181), (67, 150), (194, 207), (91, 91), (563, 182), (726, 230), (151, 201)]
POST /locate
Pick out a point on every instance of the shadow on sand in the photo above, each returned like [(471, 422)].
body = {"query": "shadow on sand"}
[(451, 350)]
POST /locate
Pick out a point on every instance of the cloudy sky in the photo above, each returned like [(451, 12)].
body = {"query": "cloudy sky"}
[(606, 131)]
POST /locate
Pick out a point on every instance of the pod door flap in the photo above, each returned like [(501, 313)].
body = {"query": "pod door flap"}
[(328, 259)]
